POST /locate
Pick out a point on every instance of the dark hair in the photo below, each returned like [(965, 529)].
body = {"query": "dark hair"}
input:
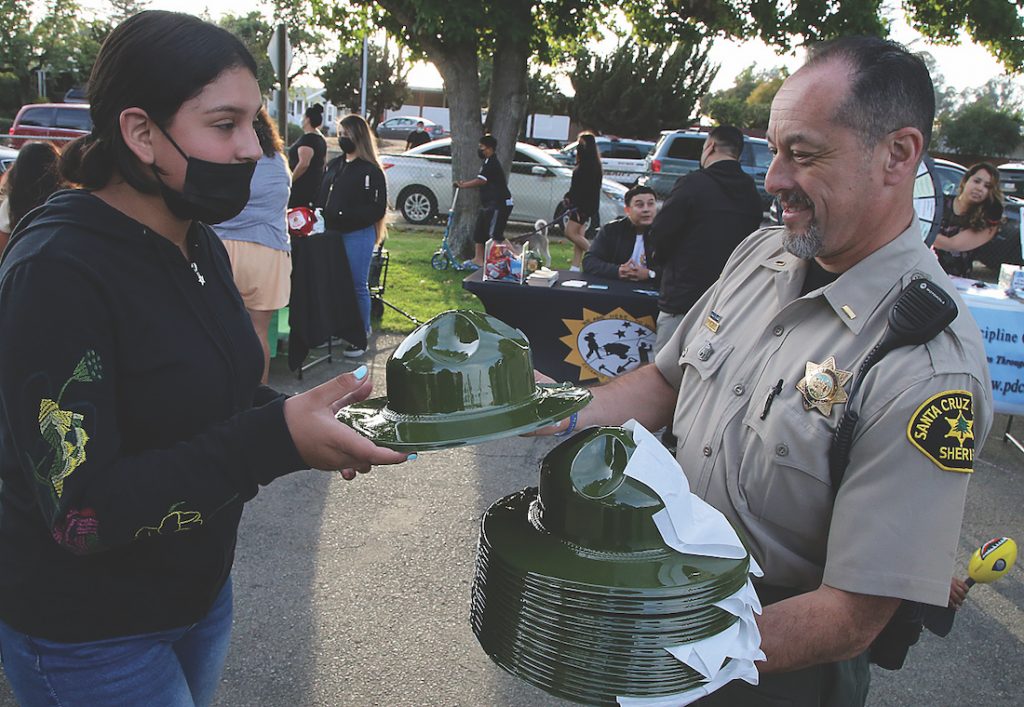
[(587, 155), (978, 214), (729, 139), (890, 88), (32, 178), (266, 133), (315, 115), (155, 61), (489, 141), (637, 191)]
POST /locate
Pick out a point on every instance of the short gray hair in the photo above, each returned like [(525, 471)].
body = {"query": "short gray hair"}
[(890, 88)]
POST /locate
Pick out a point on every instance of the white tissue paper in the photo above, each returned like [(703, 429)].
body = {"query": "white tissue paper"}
[(689, 525)]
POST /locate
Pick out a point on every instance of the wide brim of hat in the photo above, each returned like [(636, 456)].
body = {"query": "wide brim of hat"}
[(409, 433), (514, 540)]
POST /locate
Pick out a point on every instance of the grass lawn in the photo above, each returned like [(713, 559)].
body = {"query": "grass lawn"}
[(415, 287)]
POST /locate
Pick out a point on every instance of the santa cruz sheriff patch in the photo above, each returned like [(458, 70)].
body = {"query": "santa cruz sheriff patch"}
[(943, 429)]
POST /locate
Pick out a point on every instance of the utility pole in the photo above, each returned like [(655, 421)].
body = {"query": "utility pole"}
[(362, 100)]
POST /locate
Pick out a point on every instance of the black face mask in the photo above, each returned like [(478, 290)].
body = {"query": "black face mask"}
[(213, 192), (347, 145), (480, 154)]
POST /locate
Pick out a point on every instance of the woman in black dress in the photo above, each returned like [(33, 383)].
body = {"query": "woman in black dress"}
[(584, 196), (306, 158), (970, 219)]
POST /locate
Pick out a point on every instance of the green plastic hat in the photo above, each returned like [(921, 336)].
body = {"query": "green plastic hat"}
[(463, 377), (575, 590)]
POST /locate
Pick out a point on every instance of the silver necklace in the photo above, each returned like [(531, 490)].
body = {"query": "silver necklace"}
[(199, 275)]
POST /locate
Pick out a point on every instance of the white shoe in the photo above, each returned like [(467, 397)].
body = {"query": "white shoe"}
[(574, 268), (352, 352)]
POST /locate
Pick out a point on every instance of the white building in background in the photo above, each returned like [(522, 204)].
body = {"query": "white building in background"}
[(302, 97)]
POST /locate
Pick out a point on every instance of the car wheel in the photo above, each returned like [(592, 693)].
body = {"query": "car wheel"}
[(418, 205)]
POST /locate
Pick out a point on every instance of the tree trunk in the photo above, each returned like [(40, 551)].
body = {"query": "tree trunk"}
[(460, 70), (507, 103)]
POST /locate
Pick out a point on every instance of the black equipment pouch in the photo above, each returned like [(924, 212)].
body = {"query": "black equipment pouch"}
[(889, 649)]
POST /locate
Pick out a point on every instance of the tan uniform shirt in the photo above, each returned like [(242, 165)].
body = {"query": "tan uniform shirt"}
[(895, 525)]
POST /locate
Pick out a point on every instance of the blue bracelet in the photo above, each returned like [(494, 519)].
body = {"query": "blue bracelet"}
[(573, 418)]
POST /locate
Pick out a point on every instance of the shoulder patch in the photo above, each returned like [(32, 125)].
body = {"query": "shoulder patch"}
[(942, 428)]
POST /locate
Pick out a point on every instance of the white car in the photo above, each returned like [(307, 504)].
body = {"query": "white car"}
[(622, 160), (420, 184), (7, 157)]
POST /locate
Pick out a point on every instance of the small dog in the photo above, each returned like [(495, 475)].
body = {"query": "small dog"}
[(538, 241)]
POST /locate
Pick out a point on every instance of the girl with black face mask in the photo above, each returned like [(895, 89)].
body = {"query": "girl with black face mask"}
[(353, 198), (133, 421)]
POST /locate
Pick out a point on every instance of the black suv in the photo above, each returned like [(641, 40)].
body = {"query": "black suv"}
[(678, 153)]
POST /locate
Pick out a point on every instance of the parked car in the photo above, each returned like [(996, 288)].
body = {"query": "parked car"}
[(1005, 246), (678, 153), (399, 127), (58, 122), (7, 157), (1011, 179), (420, 184), (622, 160)]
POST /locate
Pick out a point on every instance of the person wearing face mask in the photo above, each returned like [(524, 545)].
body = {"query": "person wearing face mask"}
[(353, 198), (134, 423), (417, 137), (624, 248), (495, 198), (970, 219)]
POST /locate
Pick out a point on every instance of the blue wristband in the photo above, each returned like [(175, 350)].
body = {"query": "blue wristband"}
[(573, 418)]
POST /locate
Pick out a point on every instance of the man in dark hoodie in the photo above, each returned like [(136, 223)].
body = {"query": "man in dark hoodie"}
[(705, 217)]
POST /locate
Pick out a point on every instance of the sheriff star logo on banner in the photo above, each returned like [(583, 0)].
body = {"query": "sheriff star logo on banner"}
[(606, 345)]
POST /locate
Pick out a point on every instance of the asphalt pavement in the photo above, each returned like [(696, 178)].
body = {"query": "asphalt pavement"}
[(357, 593)]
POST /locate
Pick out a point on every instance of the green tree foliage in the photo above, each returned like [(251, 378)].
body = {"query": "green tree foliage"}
[(387, 87), (123, 9), (747, 103), (638, 91), (995, 24), (981, 128), (255, 33), (64, 44)]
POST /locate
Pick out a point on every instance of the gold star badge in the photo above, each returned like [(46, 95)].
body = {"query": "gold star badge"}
[(822, 386), (960, 428)]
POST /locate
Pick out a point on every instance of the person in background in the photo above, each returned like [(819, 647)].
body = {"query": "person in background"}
[(257, 239), (28, 183), (584, 196), (353, 196), (624, 248), (417, 137), (306, 158), (707, 214), (135, 427), (495, 198), (970, 219)]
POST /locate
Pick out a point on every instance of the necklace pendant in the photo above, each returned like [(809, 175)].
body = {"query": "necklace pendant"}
[(199, 275)]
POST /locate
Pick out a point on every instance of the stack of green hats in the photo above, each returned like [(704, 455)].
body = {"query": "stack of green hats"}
[(577, 593), (463, 377)]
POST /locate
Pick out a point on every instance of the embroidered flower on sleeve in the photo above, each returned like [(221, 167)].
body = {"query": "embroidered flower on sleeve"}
[(63, 431), (78, 531)]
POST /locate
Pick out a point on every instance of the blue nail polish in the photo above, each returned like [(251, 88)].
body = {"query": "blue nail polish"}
[(412, 457), (360, 373)]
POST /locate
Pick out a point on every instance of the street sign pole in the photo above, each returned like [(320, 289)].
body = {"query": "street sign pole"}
[(282, 78), (362, 100)]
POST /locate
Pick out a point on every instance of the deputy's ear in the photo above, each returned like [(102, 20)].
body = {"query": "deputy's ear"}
[(137, 133), (904, 148)]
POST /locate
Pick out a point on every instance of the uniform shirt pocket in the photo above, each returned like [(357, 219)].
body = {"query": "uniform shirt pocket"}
[(704, 355), (785, 476)]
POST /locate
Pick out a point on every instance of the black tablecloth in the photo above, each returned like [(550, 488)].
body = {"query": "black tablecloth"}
[(577, 334), (323, 300)]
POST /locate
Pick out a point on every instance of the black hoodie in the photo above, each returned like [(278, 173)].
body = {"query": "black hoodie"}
[(132, 423), (705, 217)]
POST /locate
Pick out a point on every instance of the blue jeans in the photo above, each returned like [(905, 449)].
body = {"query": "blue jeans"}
[(180, 667), (359, 249)]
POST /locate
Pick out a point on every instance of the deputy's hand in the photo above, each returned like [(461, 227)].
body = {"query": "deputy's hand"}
[(457, 185), (957, 592), (325, 443)]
